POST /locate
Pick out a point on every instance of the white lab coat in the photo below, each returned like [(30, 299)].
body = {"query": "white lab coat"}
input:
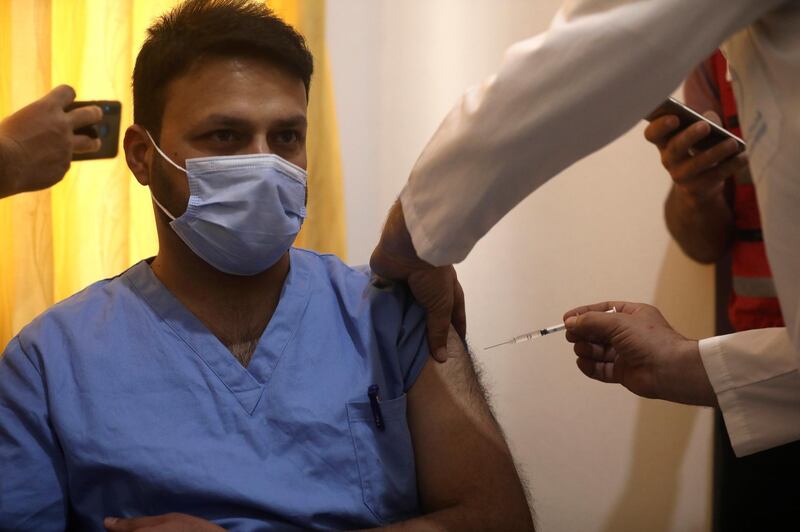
[(604, 64)]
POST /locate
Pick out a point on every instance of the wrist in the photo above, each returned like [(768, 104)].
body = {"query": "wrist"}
[(684, 379), (699, 197), (395, 256)]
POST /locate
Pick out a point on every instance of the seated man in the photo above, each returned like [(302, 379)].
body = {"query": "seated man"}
[(232, 381)]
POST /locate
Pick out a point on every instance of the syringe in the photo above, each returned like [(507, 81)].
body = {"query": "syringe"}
[(527, 337)]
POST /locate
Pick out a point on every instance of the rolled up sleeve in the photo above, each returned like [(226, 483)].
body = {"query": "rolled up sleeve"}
[(603, 66)]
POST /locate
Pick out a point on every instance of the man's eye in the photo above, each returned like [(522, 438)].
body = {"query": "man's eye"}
[(223, 136), (289, 136)]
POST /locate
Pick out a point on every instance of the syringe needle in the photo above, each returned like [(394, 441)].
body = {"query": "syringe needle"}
[(518, 339), (498, 345)]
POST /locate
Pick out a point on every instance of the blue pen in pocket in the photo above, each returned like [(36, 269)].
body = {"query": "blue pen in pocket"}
[(377, 415)]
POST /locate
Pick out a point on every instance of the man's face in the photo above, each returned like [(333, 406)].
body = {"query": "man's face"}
[(227, 106)]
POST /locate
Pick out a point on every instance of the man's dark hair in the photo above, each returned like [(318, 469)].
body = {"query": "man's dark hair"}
[(202, 28)]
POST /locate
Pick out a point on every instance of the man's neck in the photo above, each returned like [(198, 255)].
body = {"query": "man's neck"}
[(236, 309)]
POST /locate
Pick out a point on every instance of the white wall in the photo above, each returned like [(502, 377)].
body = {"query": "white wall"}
[(597, 458)]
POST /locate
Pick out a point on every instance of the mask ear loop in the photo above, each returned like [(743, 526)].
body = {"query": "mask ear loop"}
[(170, 161), (164, 155), (169, 214)]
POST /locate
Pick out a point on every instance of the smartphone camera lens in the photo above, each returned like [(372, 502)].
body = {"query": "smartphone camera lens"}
[(102, 130), (106, 108)]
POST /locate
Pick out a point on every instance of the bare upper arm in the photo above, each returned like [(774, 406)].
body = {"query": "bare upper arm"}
[(461, 455)]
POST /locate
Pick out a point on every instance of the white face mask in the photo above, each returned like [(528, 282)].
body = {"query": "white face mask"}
[(244, 211)]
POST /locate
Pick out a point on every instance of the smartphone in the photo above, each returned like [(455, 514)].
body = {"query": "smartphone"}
[(688, 116), (107, 130)]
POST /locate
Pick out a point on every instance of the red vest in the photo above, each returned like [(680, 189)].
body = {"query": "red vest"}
[(753, 303)]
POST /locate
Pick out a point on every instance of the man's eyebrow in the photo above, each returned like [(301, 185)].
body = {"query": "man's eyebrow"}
[(237, 122), (224, 120), (292, 121)]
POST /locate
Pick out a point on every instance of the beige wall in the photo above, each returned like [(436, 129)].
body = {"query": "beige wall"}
[(597, 458)]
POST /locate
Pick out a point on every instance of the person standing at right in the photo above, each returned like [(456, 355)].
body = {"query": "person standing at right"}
[(712, 213), (604, 64)]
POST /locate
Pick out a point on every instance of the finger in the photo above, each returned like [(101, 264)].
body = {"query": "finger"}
[(438, 324), (434, 290), (718, 174), (571, 337), (661, 129), (730, 167), (713, 116), (438, 304), (596, 352), (577, 311), (61, 96), (708, 159), (619, 306), (84, 116), (84, 144), (599, 371), (119, 524), (459, 311), (678, 147), (596, 327), (381, 283)]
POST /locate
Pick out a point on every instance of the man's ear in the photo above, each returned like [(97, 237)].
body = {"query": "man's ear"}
[(138, 153)]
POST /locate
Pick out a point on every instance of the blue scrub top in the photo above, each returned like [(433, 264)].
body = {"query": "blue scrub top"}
[(119, 402)]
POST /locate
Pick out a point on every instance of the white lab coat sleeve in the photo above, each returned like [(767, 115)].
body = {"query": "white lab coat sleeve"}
[(756, 378), (556, 98)]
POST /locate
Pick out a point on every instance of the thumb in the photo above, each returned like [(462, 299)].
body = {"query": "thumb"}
[(433, 289), (714, 117), (599, 371)]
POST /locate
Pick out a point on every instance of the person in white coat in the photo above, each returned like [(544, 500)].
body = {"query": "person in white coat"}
[(508, 136)]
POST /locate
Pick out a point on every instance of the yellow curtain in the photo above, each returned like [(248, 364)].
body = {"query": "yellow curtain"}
[(324, 228), (99, 220)]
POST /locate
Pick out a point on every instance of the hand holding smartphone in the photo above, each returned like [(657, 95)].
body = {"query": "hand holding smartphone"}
[(687, 116), (107, 130)]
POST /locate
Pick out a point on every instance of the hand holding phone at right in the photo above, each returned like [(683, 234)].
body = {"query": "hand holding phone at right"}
[(38, 141), (700, 174)]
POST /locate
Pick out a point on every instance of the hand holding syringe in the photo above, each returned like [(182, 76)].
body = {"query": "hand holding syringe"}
[(527, 337)]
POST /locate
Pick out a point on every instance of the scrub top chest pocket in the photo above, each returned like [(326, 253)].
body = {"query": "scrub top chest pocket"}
[(385, 457)]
